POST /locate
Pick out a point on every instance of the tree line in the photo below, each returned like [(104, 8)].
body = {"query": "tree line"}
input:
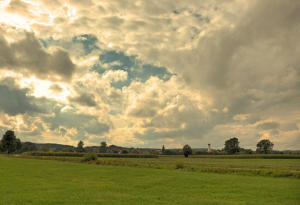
[(11, 144), (264, 146)]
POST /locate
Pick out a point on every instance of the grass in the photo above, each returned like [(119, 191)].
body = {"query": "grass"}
[(31, 181), (255, 166)]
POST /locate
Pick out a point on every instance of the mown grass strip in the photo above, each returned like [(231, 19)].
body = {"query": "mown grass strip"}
[(177, 165)]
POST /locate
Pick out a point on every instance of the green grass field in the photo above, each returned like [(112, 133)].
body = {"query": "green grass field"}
[(33, 181), (212, 163)]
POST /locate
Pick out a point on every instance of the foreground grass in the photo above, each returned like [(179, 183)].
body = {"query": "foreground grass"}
[(255, 166), (30, 181)]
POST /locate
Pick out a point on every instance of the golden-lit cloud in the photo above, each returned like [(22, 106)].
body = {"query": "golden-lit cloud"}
[(142, 73)]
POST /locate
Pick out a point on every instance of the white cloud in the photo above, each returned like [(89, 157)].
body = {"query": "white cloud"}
[(235, 65)]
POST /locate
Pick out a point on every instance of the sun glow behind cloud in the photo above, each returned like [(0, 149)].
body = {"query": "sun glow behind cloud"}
[(13, 19), (42, 88)]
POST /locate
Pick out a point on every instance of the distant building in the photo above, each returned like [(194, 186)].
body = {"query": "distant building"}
[(209, 149)]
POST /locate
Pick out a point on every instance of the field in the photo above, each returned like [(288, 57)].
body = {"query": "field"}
[(33, 181), (274, 165)]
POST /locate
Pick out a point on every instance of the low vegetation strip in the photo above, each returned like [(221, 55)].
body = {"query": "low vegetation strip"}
[(77, 154), (250, 156), (262, 167)]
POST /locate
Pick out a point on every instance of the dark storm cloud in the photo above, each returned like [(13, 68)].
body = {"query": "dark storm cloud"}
[(15, 101), (29, 55)]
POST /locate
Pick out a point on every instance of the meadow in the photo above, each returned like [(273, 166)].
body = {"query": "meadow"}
[(35, 181), (267, 165)]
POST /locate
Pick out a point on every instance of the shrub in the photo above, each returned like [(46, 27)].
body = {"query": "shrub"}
[(89, 157), (179, 165)]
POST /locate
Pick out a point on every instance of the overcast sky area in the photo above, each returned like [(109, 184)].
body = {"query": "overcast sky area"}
[(142, 73)]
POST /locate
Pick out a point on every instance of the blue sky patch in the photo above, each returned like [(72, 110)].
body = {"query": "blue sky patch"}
[(89, 42), (134, 67), (112, 60)]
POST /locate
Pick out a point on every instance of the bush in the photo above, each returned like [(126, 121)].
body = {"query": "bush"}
[(89, 157), (179, 165)]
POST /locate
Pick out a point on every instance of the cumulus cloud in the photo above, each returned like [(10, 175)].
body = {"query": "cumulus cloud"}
[(85, 99), (14, 100), (27, 54), (248, 61), (165, 72), (77, 125), (116, 75), (19, 7)]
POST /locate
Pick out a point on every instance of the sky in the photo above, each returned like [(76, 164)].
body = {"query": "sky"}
[(140, 73)]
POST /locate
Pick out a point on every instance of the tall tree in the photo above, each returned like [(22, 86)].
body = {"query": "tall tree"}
[(9, 142), (163, 150), (80, 146), (103, 147), (264, 146), (187, 150), (232, 145)]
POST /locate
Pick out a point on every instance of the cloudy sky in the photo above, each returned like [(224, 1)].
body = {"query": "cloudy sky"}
[(144, 73)]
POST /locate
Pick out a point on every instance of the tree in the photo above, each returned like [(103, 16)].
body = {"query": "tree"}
[(163, 150), (187, 150), (264, 146), (9, 142), (18, 144), (45, 148), (103, 147), (124, 151), (28, 147), (80, 146), (232, 145)]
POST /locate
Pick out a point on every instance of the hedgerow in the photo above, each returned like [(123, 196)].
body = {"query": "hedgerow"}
[(76, 154)]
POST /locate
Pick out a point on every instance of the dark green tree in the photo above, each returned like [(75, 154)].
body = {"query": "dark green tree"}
[(232, 145), (18, 144), (28, 147), (187, 150), (9, 142), (264, 146), (80, 146), (124, 151), (163, 150), (103, 147)]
